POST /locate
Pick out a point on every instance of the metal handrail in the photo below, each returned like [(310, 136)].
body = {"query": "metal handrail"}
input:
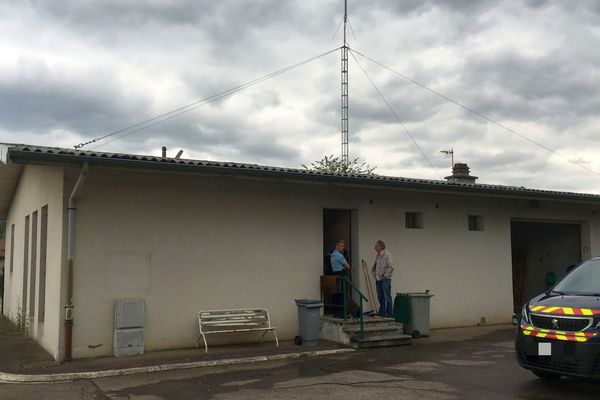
[(356, 289), (346, 281)]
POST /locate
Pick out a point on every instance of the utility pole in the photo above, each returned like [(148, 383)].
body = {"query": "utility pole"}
[(345, 159)]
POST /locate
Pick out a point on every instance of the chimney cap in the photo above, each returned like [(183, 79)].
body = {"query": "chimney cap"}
[(461, 174)]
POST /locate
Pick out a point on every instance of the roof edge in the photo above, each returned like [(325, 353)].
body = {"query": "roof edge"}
[(23, 154)]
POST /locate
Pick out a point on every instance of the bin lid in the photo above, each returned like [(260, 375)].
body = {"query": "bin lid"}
[(308, 303), (415, 294)]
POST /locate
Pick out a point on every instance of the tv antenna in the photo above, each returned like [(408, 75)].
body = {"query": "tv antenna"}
[(345, 159), (449, 153)]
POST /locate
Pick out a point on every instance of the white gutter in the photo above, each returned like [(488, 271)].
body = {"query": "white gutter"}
[(70, 258)]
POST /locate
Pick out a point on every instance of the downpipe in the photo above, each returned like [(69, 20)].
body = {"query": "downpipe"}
[(71, 218)]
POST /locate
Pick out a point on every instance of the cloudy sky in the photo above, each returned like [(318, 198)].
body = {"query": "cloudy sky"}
[(73, 70)]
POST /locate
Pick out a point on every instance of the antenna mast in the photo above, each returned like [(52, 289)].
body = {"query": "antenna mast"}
[(449, 153), (345, 160)]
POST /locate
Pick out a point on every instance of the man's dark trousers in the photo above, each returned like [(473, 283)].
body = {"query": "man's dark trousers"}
[(384, 295)]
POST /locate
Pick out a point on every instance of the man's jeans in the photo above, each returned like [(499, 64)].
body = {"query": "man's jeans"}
[(384, 295)]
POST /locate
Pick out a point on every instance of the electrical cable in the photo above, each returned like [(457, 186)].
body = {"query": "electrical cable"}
[(397, 117), (192, 106), (338, 28), (352, 30), (471, 110)]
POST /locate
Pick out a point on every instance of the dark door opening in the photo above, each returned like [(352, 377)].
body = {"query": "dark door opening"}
[(337, 225), (542, 252)]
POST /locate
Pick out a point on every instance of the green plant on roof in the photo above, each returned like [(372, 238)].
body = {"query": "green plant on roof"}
[(334, 165)]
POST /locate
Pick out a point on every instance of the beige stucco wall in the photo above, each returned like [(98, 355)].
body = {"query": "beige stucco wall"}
[(38, 186), (195, 244), (185, 243), (469, 273)]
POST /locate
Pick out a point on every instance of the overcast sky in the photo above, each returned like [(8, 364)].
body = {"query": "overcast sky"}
[(74, 70)]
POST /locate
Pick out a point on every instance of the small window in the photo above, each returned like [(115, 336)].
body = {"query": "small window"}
[(476, 223), (414, 220)]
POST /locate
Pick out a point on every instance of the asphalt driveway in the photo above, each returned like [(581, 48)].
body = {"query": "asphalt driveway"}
[(470, 363)]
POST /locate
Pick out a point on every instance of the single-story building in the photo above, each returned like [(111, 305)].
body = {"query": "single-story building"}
[(88, 229)]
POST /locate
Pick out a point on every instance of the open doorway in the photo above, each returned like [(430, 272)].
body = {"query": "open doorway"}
[(337, 225), (542, 253)]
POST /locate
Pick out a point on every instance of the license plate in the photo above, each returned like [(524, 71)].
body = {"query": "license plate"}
[(544, 349)]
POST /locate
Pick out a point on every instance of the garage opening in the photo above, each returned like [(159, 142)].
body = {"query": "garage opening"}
[(542, 253)]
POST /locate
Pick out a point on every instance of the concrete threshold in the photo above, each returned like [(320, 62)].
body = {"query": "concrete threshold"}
[(71, 376)]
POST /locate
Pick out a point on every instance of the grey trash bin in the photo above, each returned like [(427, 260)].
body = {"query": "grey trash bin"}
[(309, 321), (418, 324)]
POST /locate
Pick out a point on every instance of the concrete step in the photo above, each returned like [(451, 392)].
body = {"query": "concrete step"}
[(377, 328), (370, 322), (367, 320), (380, 340), (378, 332), (374, 325)]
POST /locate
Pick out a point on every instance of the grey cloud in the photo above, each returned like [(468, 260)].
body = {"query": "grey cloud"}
[(127, 15), (459, 8), (504, 161), (188, 50), (224, 21), (513, 86), (41, 98), (215, 135)]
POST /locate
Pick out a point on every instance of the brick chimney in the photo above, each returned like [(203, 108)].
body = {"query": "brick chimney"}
[(460, 174)]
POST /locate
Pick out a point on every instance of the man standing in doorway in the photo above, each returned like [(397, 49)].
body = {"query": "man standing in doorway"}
[(339, 265), (382, 271)]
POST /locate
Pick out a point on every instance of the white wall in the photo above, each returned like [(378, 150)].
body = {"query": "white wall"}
[(470, 273), (211, 244), (185, 243), (38, 186)]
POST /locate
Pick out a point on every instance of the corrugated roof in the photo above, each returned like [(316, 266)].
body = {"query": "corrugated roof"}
[(19, 153)]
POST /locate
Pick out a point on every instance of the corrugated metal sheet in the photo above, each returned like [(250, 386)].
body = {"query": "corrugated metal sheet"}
[(20, 153)]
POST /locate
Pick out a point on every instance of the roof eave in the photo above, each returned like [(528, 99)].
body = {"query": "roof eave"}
[(24, 157)]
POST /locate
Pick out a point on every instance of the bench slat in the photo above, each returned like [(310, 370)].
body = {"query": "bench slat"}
[(230, 321), (217, 317), (233, 323), (229, 312), (232, 317), (241, 330), (233, 320)]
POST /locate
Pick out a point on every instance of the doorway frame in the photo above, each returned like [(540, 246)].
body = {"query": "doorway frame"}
[(354, 240), (584, 237)]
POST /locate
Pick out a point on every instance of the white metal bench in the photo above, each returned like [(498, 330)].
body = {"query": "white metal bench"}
[(232, 321)]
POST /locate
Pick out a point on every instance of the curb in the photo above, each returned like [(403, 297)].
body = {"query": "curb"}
[(71, 376)]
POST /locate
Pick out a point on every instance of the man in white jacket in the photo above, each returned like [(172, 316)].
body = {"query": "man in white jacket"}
[(382, 272)]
